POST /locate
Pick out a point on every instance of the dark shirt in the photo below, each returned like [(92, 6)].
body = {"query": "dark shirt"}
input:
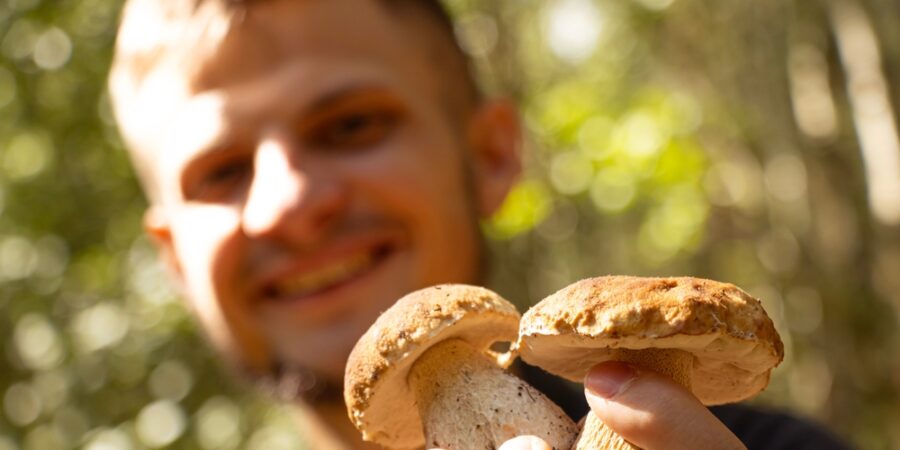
[(757, 428)]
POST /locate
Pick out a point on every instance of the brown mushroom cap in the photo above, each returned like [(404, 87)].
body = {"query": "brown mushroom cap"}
[(733, 341), (378, 398)]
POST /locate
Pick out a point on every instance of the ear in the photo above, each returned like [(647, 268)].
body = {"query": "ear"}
[(495, 136), (157, 226)]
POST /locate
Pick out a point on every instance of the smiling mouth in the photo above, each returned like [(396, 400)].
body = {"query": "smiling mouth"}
[(326, 277)]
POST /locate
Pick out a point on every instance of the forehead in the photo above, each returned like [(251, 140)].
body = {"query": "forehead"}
[(317, 33)]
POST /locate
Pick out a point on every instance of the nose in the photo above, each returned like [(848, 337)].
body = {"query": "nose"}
[(291, 199)]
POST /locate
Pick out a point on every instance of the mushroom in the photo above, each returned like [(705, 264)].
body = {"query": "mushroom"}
[(712, 338), (425, 373)]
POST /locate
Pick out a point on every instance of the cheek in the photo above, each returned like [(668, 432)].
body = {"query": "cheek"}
[(415, 175), (424, 187), (208, 244), (205, 241), (206, 248)]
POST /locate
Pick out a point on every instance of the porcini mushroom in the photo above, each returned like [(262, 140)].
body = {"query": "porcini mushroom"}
[(425, 373), (710, 337)]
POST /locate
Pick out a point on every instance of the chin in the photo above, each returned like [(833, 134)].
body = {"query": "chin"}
[(292, 383)]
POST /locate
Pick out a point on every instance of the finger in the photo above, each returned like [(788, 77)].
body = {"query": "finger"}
[(525, 443), (652, 411)]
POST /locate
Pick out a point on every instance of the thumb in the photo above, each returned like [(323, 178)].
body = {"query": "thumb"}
[(652, 411)]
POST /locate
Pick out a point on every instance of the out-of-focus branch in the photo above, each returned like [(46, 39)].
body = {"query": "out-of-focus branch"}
[(870, 101)]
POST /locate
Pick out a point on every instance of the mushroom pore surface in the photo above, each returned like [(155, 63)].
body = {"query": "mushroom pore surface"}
[(467, 402)]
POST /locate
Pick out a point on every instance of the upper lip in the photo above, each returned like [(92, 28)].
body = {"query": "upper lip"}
[(322, 256)]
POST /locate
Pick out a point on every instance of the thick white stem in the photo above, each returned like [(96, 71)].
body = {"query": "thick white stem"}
[(467, 402)]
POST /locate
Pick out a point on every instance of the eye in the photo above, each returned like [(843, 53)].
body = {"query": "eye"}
[(221, 181), (355, 130)]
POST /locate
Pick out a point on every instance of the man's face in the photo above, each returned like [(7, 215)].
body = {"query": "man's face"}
[(311, 175)]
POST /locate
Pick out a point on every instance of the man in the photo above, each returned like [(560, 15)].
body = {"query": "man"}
[(309, 162)]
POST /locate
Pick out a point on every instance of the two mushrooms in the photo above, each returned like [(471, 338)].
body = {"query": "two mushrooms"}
[(426, 373)]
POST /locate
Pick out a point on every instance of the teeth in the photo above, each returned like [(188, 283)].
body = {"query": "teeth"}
[(325, 276)]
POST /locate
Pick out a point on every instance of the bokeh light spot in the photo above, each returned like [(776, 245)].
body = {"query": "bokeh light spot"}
[(18, 258), (273, 438), (100, 326), (785, 177), (573, 29), (218, 424), (171, 380), (571, 172), (37, 342), (655, 5), (810, 382), (673, 226), (160, 423), (22, 404), (146, 276), (613, 190), (779, 251), (680, 113), (52, 49), (110, 439), (560, 111), (27, 155), (19, 40), (477, 34), (526, 205), (639, 135)]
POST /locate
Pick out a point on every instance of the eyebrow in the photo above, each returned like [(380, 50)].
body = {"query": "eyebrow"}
[(340, 94), (234, 114), (306, 106)]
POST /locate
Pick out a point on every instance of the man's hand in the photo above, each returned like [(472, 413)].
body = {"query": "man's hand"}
[(648, 410), (652, 411)]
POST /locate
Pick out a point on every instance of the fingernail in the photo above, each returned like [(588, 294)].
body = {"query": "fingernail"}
[(608, 379)]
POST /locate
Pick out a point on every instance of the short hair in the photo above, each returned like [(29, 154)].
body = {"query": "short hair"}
[(164, 33)]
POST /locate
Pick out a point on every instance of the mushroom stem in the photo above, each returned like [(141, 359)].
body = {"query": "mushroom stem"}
[(467, 402), (676, 364)]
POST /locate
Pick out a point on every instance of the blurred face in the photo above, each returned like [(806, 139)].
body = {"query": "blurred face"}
[(309, 175)]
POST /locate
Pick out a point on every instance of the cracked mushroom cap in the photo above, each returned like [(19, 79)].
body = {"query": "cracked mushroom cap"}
[(733, 341), (379, 401)]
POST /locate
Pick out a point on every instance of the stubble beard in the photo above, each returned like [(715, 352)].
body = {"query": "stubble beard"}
[(291, 383)]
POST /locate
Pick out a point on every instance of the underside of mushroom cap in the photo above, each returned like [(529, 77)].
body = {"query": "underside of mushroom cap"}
[(732, 340), (378, 398)]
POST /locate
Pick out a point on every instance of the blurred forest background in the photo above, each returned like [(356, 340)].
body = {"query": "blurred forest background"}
[(751, 141)]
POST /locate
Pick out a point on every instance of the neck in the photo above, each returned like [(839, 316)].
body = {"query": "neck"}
[(326, 426)]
